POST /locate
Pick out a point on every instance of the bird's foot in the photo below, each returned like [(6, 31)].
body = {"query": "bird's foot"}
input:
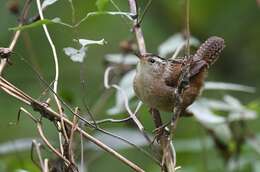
[(163, 130)]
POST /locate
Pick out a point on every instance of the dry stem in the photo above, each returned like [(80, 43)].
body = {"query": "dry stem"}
[(38, 151), (137, 28), (16, 35)]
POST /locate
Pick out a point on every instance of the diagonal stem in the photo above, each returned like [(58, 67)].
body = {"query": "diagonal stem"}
[(137, 28), (16, 35)]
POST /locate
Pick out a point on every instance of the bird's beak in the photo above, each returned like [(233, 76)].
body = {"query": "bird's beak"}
[(143, 59), (144, 56)]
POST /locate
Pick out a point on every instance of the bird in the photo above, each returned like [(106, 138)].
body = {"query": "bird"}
[(157, 79)]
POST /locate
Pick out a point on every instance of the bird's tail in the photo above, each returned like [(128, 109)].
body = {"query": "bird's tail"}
[(209, 51)]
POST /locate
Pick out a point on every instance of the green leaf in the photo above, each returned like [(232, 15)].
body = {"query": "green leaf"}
[(32, 25), (41, 22), (101, 4)]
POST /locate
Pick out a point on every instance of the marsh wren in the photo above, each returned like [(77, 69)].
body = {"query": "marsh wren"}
[(157, 79)]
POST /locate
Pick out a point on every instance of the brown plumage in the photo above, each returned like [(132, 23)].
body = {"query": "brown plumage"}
[(157, 78)]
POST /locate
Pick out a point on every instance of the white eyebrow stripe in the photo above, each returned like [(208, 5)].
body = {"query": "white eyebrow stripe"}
[(159, 60)]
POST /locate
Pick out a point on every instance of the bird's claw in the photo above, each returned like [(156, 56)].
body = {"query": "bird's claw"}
[(160, 131)]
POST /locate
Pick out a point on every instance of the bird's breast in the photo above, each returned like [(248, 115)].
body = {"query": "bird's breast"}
[(153, 91)]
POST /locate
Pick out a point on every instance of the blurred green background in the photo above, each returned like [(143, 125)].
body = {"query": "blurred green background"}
[(237, 21)]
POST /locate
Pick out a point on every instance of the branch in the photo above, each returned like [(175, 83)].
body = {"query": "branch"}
[(163, 137), (38, 151), (40, 131), (46, 166), (24, 15), (137, 28)]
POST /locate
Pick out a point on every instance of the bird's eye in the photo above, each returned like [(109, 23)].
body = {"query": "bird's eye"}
[(151, 60)]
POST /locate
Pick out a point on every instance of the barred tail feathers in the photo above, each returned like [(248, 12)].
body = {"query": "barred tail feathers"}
[(210, 50)]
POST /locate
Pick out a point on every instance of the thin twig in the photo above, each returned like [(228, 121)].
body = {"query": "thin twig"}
[(111, 120), (94, 14), (83, 90), (146, 8), (46, 166), (28, 113), (55, 84), (136, 27), (102, 100), (131, 144), (119, 10), (45, 140), (187, 3), (177, 51), (17, 34), (38, 151), (71, 138), (168, 151), (73, 16), (8, 88), (81, 153)]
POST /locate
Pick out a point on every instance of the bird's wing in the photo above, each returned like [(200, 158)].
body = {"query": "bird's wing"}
[(197, 66), (172, 72), (174, 69)]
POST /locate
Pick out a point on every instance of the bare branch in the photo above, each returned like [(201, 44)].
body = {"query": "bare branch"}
[(46, 166), (71, 138), (112, 120), (45, 140), (187, 29), (137, 28), (17, 34), (163, 136), (81, 153), (28, 113), (38, 151)]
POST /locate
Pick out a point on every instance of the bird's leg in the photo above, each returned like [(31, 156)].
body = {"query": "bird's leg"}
[(160, 127)]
